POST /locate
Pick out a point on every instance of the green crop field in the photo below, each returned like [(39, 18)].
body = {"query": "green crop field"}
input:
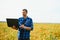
[(41, 31)]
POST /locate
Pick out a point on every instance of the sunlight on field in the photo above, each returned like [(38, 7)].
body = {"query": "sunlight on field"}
[(41, 32)]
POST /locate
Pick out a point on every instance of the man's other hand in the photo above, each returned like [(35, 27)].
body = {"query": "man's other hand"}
[(22, 26)]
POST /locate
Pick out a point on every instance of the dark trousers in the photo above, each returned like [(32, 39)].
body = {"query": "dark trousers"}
[(24, 39)]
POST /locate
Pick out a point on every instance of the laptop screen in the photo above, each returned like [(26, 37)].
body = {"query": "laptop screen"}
[(11, 22)]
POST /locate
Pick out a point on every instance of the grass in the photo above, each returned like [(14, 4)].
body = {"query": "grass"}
[(42, 31)]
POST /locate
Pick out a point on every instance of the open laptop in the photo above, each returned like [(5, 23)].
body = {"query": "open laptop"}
[(11, 22)]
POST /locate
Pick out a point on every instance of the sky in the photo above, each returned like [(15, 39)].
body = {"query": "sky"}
[(41, 11)]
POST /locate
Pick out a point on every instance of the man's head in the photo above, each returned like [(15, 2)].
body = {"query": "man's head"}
[(24, 12)]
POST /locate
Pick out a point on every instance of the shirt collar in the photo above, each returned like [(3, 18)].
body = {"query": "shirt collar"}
[(26, 17)]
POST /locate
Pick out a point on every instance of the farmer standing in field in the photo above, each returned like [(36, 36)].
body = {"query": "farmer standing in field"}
[(25, 26)]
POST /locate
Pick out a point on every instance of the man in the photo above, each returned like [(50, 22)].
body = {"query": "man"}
[(25, 26)]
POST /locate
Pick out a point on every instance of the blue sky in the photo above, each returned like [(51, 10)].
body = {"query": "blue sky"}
[(41, 11)]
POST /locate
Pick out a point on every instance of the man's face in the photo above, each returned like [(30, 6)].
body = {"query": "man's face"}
[(24, 13)]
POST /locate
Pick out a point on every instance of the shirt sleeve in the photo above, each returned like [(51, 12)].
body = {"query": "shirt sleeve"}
[(31, 24), (19, 22)]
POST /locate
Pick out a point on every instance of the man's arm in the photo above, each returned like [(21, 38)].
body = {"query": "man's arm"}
[(28, 28)]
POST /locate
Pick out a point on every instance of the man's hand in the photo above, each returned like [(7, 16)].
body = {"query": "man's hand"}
[(22, 26), (14, 27)]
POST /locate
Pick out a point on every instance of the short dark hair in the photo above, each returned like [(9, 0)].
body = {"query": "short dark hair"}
[(25, 10)]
